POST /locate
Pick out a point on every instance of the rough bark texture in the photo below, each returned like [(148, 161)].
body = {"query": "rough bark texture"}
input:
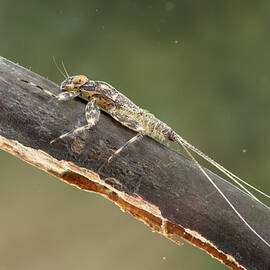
[(153, 183)]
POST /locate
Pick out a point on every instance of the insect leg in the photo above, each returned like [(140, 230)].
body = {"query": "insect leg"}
[(65, 96), (92, 113), (132, 140), (62, 96)]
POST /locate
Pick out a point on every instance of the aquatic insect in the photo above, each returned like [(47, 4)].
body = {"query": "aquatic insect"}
[(101, 95)]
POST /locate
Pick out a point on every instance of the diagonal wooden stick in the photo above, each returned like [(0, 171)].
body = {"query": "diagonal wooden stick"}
[(150, 181)]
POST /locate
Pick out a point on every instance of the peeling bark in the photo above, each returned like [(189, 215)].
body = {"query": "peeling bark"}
[(153, 183)]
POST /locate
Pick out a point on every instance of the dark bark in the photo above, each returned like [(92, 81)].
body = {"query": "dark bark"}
[(152, 182)]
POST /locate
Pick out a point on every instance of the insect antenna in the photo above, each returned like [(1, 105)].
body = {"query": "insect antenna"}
[(181, 142), (59, 69), (64, 67)]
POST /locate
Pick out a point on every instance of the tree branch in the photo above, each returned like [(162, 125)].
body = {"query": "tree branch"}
[(150, 181)]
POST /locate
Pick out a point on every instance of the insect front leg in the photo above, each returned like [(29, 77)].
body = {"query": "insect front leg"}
[(92, 113), (65, 96), (62, 96), (132, 140)]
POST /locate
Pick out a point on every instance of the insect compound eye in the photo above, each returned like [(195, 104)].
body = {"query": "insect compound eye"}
[(73, 83), (79, 80)]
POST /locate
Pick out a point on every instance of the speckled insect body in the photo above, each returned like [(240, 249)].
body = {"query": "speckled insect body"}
[(101, 95), (118, 106)]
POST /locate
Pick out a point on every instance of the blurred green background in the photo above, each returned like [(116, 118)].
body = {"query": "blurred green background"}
[(200, 66)]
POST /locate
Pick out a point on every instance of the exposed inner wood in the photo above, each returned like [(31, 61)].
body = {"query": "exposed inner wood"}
[(153, 183)]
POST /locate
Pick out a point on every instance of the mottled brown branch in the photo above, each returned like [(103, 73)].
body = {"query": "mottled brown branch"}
[(150, 181)]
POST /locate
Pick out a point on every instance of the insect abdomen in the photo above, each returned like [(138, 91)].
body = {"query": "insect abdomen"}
[(155, 128)]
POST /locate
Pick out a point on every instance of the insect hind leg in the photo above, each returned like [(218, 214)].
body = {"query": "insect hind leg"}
[(129, 142), (92, 113)]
